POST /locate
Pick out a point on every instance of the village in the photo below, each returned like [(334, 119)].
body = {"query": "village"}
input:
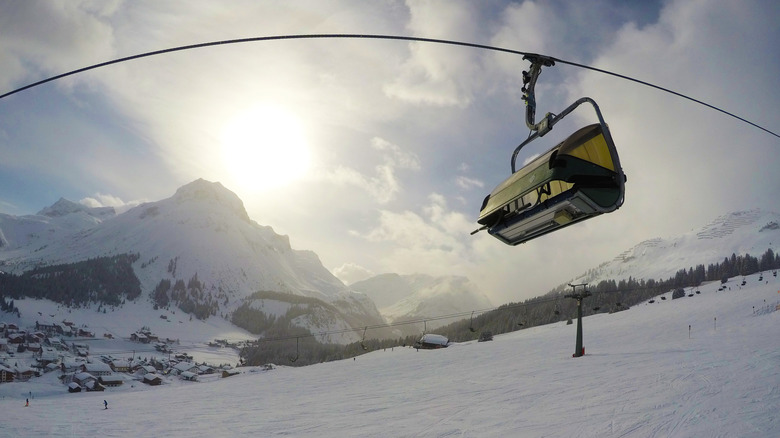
[(66, 348)]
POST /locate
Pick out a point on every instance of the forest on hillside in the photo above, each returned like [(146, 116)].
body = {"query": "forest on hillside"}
[(106, 281), (606, 296)]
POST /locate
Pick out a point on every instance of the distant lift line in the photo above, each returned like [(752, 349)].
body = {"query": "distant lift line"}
[(378, 37)]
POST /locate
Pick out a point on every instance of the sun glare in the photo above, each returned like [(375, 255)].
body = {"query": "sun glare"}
[(264, 148)]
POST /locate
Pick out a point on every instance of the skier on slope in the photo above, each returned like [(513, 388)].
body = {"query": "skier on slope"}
[(105, 403)]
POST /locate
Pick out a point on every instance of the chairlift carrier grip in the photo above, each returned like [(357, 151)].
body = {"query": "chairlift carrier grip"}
[(529, 83)]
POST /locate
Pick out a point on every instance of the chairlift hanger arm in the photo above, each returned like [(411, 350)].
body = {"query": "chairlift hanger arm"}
[(553, 119)]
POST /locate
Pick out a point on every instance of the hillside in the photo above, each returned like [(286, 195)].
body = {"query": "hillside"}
[(743, 232), (701, 366)]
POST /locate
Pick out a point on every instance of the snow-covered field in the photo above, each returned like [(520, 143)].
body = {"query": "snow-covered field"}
[(645, 374)]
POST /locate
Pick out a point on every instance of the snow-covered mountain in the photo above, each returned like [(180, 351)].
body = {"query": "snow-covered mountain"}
[(743, 232), (61, 219), (202, 237), (414, 297)]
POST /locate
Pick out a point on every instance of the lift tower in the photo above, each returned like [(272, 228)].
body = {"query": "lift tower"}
[(578, 350)]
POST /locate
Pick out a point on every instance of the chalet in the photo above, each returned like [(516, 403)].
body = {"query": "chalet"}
[(16, 338), (55, 343), (79, 345), (429, 341), (82, 379), (74, 387), (205, 369), (139, 337), (48, 355), (152, 379), (185, 366), (192, 377), (85, 333), (25, 374), (52, 328), (112, 380), (7, 374), (68, 365), (230, 373), (34, 347), (94, 386), (120, 365), (97, 369)]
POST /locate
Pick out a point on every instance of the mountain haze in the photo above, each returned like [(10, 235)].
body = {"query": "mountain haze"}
[(416, 297)]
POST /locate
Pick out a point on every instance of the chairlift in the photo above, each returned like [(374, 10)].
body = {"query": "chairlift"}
[(577, 179), (294, 358), (557, 309), (471, 324), (663, 298), (363, 340)]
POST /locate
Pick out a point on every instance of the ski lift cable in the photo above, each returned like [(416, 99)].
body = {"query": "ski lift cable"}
[(379, 37), (524, 305)]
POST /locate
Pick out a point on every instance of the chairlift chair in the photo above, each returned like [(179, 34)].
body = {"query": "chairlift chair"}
[(294, 358), (575, 180), (471, 324), (363, 340)]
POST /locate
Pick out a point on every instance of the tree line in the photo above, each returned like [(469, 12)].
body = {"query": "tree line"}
[(102, 280), (607, 296)]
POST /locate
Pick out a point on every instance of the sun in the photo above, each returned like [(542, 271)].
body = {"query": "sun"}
[(264, 148)]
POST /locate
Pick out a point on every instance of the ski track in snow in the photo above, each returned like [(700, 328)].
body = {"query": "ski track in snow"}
[(642, 376)]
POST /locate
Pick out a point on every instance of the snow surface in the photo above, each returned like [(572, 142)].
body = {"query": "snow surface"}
[(645, 374)]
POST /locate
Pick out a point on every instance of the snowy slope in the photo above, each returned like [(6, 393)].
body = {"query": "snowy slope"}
[(413, 297), (745, 232), (644, 375)]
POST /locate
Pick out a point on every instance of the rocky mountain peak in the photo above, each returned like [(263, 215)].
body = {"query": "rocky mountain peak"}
[(201, 190)]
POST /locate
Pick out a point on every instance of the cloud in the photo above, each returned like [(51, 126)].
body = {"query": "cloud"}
[(383, 186), (434, 74), (47, 38), (104, 200), (394, 156), (429, 241), (465, 182), (351, 273)]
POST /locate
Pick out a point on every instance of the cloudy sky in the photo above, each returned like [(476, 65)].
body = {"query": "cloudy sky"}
[(377, 154)]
